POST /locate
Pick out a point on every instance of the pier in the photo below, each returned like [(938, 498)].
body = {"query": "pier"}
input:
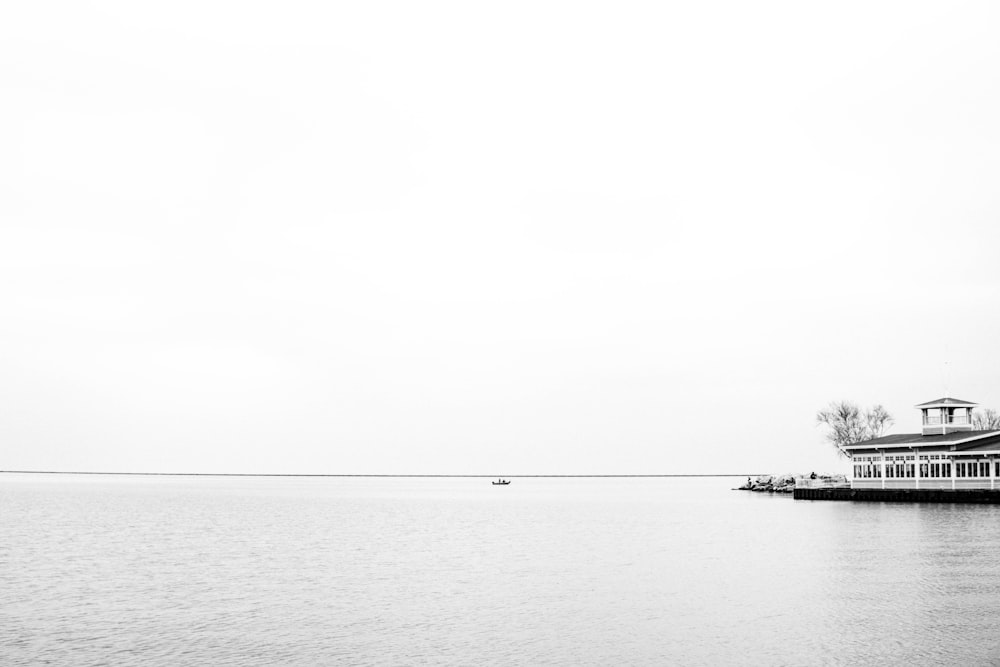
[(981, 496)]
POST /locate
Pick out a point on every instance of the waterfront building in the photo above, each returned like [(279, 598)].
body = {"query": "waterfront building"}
[(946, 454)]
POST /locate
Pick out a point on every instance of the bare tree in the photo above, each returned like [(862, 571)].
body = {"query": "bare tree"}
[(986, 420), (848, 423), (877, 420)]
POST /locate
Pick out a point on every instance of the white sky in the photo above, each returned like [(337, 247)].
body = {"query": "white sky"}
[(499, 238)]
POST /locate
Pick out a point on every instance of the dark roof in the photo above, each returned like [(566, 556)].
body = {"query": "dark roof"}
[(976, 445), (904, 439), (946, 401)]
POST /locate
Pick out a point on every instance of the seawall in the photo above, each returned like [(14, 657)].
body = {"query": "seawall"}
[(983, 496)]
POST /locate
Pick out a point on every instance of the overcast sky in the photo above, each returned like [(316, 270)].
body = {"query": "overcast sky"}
[(499, 238)]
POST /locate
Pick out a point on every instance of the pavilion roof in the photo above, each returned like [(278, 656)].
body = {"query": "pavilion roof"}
[(916, 439), (946, 401)]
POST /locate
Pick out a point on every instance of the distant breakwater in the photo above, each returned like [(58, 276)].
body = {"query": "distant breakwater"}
[(409, 475)]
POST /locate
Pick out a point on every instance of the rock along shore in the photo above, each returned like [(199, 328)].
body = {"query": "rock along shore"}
[(788, 483)]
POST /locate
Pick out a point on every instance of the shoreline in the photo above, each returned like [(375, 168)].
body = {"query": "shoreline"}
[(789, 483)]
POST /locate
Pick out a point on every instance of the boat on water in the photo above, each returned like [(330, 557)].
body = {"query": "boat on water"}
[(501, 482)]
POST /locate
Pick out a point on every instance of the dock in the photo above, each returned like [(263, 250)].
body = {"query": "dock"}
[(980, 496)]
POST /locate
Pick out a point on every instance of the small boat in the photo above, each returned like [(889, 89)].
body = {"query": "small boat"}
[(501, 482)]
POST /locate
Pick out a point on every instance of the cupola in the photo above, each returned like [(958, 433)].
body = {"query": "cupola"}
[(946, 415)]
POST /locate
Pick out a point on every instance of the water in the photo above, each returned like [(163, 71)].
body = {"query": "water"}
[(257, 571)]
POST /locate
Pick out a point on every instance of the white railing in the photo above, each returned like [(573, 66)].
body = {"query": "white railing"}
[(820, 483), (950, 419)]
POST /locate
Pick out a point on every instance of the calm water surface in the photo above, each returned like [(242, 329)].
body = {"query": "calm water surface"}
[(257, 571)]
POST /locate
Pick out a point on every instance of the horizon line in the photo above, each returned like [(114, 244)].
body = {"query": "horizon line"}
[(280, 474)]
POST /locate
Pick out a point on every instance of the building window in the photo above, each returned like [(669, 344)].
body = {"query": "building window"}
[(924, 471)]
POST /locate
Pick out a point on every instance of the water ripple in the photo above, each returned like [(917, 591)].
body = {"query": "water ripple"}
[(545, 572)]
